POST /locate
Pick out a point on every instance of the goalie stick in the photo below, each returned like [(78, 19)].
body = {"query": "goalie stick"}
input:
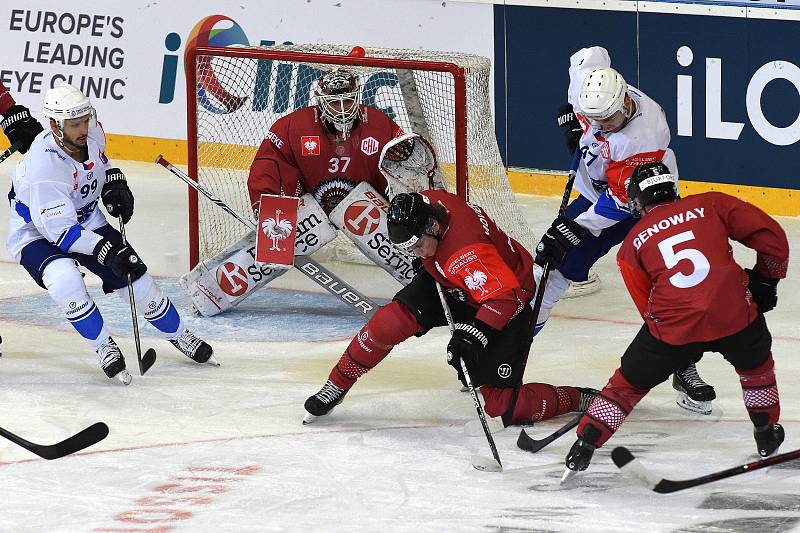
[(316, 272), (83, 439), (525, 442), (629, 464), (10, 150), (479, 462)]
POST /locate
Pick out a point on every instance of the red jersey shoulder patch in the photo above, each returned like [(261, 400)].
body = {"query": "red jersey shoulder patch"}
[(309, 145), (370, 145), (476, 276)]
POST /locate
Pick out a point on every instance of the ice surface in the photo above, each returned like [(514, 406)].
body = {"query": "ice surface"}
[(198, 448)]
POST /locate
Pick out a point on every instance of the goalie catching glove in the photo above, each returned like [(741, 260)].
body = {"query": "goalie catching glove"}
[(763, 289), (116, 195), (408, 163), (561, 237), (468, 343)]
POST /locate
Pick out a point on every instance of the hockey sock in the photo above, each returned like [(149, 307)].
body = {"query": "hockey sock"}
[(760, 392), (158, 309), (609, 410), (557, 285), (535, 402), (390, 325), (66, 287)]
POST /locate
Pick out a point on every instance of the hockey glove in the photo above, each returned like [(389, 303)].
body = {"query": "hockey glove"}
[(121, 259), (561, 237), (19, 125), (763, 289), (572, 128), (468, 342), (116, 195)]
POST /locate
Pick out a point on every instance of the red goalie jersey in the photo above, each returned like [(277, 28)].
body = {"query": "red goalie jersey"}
[(679, 268), (302, 154), (474, 255)]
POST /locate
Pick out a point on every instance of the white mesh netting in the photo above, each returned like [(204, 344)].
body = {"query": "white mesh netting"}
[(238, 99)]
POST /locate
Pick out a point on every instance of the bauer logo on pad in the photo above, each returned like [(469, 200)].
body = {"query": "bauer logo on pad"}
[(277, 228)]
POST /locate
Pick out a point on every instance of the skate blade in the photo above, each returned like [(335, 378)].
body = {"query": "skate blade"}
[(485, 464), (474, 428), (212, 361), (309, 418), (567, 475), (683, 400), (124, 377)]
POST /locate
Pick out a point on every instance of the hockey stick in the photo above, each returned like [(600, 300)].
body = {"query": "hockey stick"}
[(10, 150), (316, 272), (149, 357), (573, 169), (83, 439), (525, 442), (479, 462), (629, 464)]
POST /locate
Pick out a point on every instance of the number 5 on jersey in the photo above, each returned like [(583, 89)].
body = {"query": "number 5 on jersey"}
[(700, 265)]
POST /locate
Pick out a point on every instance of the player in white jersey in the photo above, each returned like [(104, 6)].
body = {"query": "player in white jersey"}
[(615, 127), (55, 225)]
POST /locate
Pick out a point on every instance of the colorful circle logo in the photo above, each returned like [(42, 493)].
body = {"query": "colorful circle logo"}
[(216, 30)]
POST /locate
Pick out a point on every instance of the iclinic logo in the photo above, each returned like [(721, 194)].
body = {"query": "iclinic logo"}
[(215, 30)]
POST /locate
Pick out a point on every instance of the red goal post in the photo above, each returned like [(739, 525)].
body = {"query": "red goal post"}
[(235, 94)]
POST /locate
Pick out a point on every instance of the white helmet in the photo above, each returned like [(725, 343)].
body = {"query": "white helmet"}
[(603, 94), (66, 101)]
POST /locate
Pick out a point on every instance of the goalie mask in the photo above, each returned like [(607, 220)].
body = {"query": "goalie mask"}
[(410, 217), (338, 97), (409, 164), (651, 183)]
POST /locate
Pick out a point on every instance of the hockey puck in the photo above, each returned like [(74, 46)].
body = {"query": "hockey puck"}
[(486, 464)]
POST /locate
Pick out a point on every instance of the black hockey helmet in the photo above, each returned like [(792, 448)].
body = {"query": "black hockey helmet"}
[(410, 216), (651, 183)]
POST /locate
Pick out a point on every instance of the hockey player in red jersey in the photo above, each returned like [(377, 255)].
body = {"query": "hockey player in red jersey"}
[(678, 267), (17, 122), (326, 149), (488, 279)]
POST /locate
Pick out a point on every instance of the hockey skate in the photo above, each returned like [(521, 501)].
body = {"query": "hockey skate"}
[(580, 455), (323, 402), (194, 348), (112, 362), (694, 394), (768, 438)]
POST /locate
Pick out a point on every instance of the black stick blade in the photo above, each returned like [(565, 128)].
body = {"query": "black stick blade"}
[(83, 439), (147, 361), (621, 456)]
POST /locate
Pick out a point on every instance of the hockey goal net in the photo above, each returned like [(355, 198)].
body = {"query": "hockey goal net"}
[(236, 94)]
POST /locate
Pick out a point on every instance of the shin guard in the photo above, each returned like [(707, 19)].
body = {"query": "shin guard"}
[(390, 325), (760, 393), (609, 410)]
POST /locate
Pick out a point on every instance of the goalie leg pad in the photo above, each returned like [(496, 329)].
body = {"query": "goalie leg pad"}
[(221, 282), (361, 216), (64, 283), (391, 324)]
